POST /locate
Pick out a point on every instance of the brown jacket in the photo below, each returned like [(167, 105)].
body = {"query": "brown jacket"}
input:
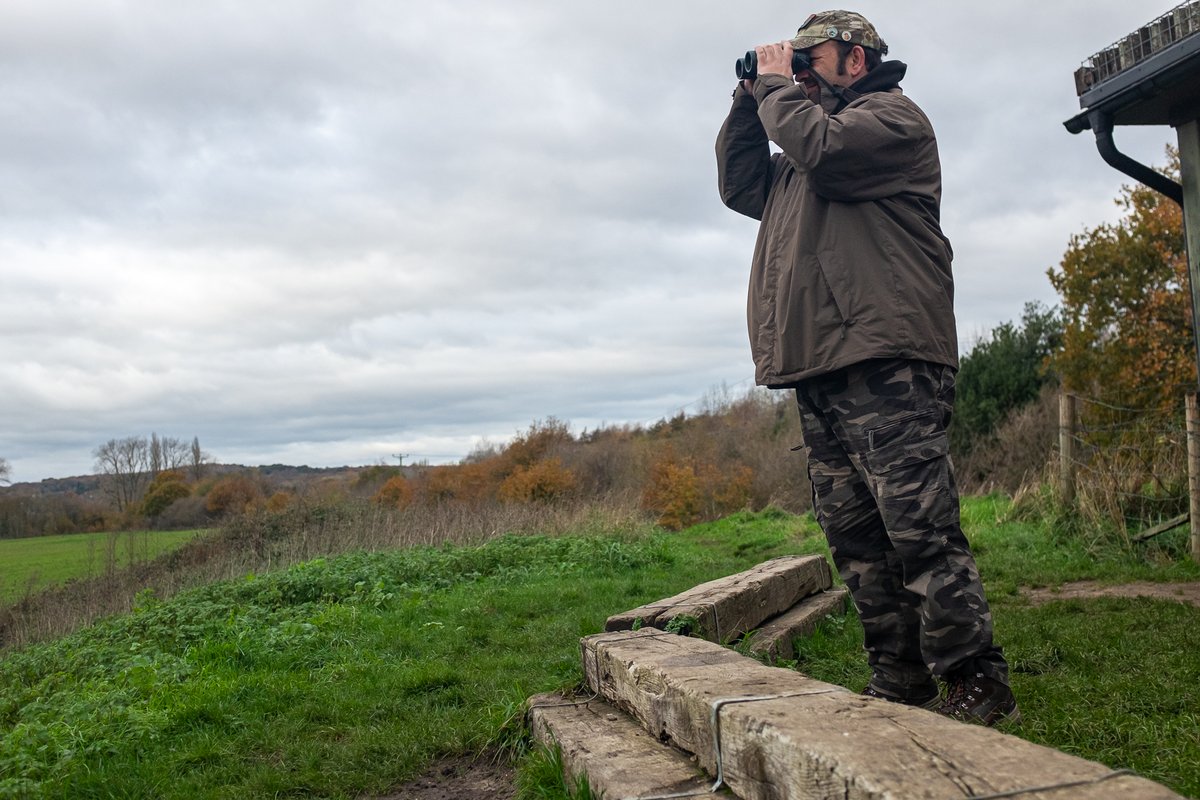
[(850, 262)]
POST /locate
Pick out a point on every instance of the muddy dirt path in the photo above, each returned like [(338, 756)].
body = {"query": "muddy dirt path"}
[(1084, 590)]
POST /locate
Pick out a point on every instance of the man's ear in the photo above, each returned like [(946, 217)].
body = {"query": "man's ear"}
[(859, 59)]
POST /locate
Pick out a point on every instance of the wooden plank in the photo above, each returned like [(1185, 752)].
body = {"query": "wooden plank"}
[(1188, 134), (1193, 431), (1066, 447), (1162, 527), (793, 736), (729, 607), (777, 636), (615, 754)]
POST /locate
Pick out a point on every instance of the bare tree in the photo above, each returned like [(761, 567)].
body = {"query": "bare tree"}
[(167, 453), (197, 459), (125, 464), (176, 453), (5, 471), (155, 456)]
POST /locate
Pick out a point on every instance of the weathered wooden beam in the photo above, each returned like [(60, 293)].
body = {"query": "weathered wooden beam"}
[(777, 636), (615, 754), (773, 733), (1162, 527), (729, 607)]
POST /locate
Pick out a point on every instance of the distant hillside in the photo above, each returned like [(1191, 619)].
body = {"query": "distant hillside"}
[(89, 486)]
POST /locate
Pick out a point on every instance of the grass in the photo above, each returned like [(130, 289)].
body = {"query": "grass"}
[(345, 677), (1111, 680), (37, 562), (333, 678)]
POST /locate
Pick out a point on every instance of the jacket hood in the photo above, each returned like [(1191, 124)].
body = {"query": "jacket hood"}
[(884, 78)]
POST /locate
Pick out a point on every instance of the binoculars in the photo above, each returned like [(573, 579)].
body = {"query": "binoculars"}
[(746, 67)]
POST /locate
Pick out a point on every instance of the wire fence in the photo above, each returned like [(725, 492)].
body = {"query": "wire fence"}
[(1125, 466)]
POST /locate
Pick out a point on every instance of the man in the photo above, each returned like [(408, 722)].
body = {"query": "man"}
[(851, 305)]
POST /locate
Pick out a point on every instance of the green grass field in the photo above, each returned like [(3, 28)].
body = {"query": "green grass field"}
[(344, 677), (41, 561)]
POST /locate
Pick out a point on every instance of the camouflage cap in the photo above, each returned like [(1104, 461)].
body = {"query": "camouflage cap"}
[(839, 26)]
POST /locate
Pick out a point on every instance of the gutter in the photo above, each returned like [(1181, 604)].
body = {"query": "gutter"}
[(1102, 124), (1146, 78)]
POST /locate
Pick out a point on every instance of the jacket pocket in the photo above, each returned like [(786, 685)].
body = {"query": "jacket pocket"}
[(906, 441), (836, 294), (809, 321)]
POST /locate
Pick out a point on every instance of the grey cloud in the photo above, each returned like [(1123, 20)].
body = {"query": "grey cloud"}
[(320, 230)]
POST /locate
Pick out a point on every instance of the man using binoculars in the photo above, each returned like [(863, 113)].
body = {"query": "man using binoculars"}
[(851, 306)]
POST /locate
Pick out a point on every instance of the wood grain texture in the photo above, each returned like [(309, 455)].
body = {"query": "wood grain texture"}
[(817, 740), (729, 607), (777, 636), (616, 755)]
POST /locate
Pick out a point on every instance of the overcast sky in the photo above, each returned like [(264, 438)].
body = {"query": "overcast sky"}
[(327, 232)]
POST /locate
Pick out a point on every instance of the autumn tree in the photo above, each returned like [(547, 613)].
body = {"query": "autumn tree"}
[(544, 481), (395, 493), (1126, 304), (536, 444), (165, 488), (232, 495), (471, 483), (682, 491), (280, 501)]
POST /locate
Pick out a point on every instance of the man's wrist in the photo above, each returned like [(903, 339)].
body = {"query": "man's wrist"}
[(771, 82)]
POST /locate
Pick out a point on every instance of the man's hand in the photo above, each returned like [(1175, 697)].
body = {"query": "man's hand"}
[(772, 58), (775, 59)]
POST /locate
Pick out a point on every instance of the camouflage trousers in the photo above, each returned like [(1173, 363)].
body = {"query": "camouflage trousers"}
[(884, 493)]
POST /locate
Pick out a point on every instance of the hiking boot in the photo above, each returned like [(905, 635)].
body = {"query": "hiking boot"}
[(980, 700), (929, 701)]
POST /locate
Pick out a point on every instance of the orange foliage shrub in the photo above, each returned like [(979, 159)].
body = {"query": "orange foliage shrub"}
[(395, 493), (685, 491), (279, 501), (541, 482), (537, 443), (466, 483), (232, 495)]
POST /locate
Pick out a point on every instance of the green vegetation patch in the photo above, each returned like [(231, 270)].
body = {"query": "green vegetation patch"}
[(1114, 681), (337, 677), (38, 562), (345, 677)]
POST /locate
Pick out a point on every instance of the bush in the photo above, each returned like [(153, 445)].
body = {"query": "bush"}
[(167, 487), (395, 493), (682, 492), (540, 441), (280, 501), (542, 482), (470, 483), (1016, 453), (188, 512), (374, 475), (233, 495), (1002, 374)]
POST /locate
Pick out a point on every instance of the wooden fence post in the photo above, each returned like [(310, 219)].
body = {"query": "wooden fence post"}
[(1066, 447), (1193, 453)]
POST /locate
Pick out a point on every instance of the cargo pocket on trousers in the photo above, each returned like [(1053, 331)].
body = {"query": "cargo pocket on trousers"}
[(899, 452)]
